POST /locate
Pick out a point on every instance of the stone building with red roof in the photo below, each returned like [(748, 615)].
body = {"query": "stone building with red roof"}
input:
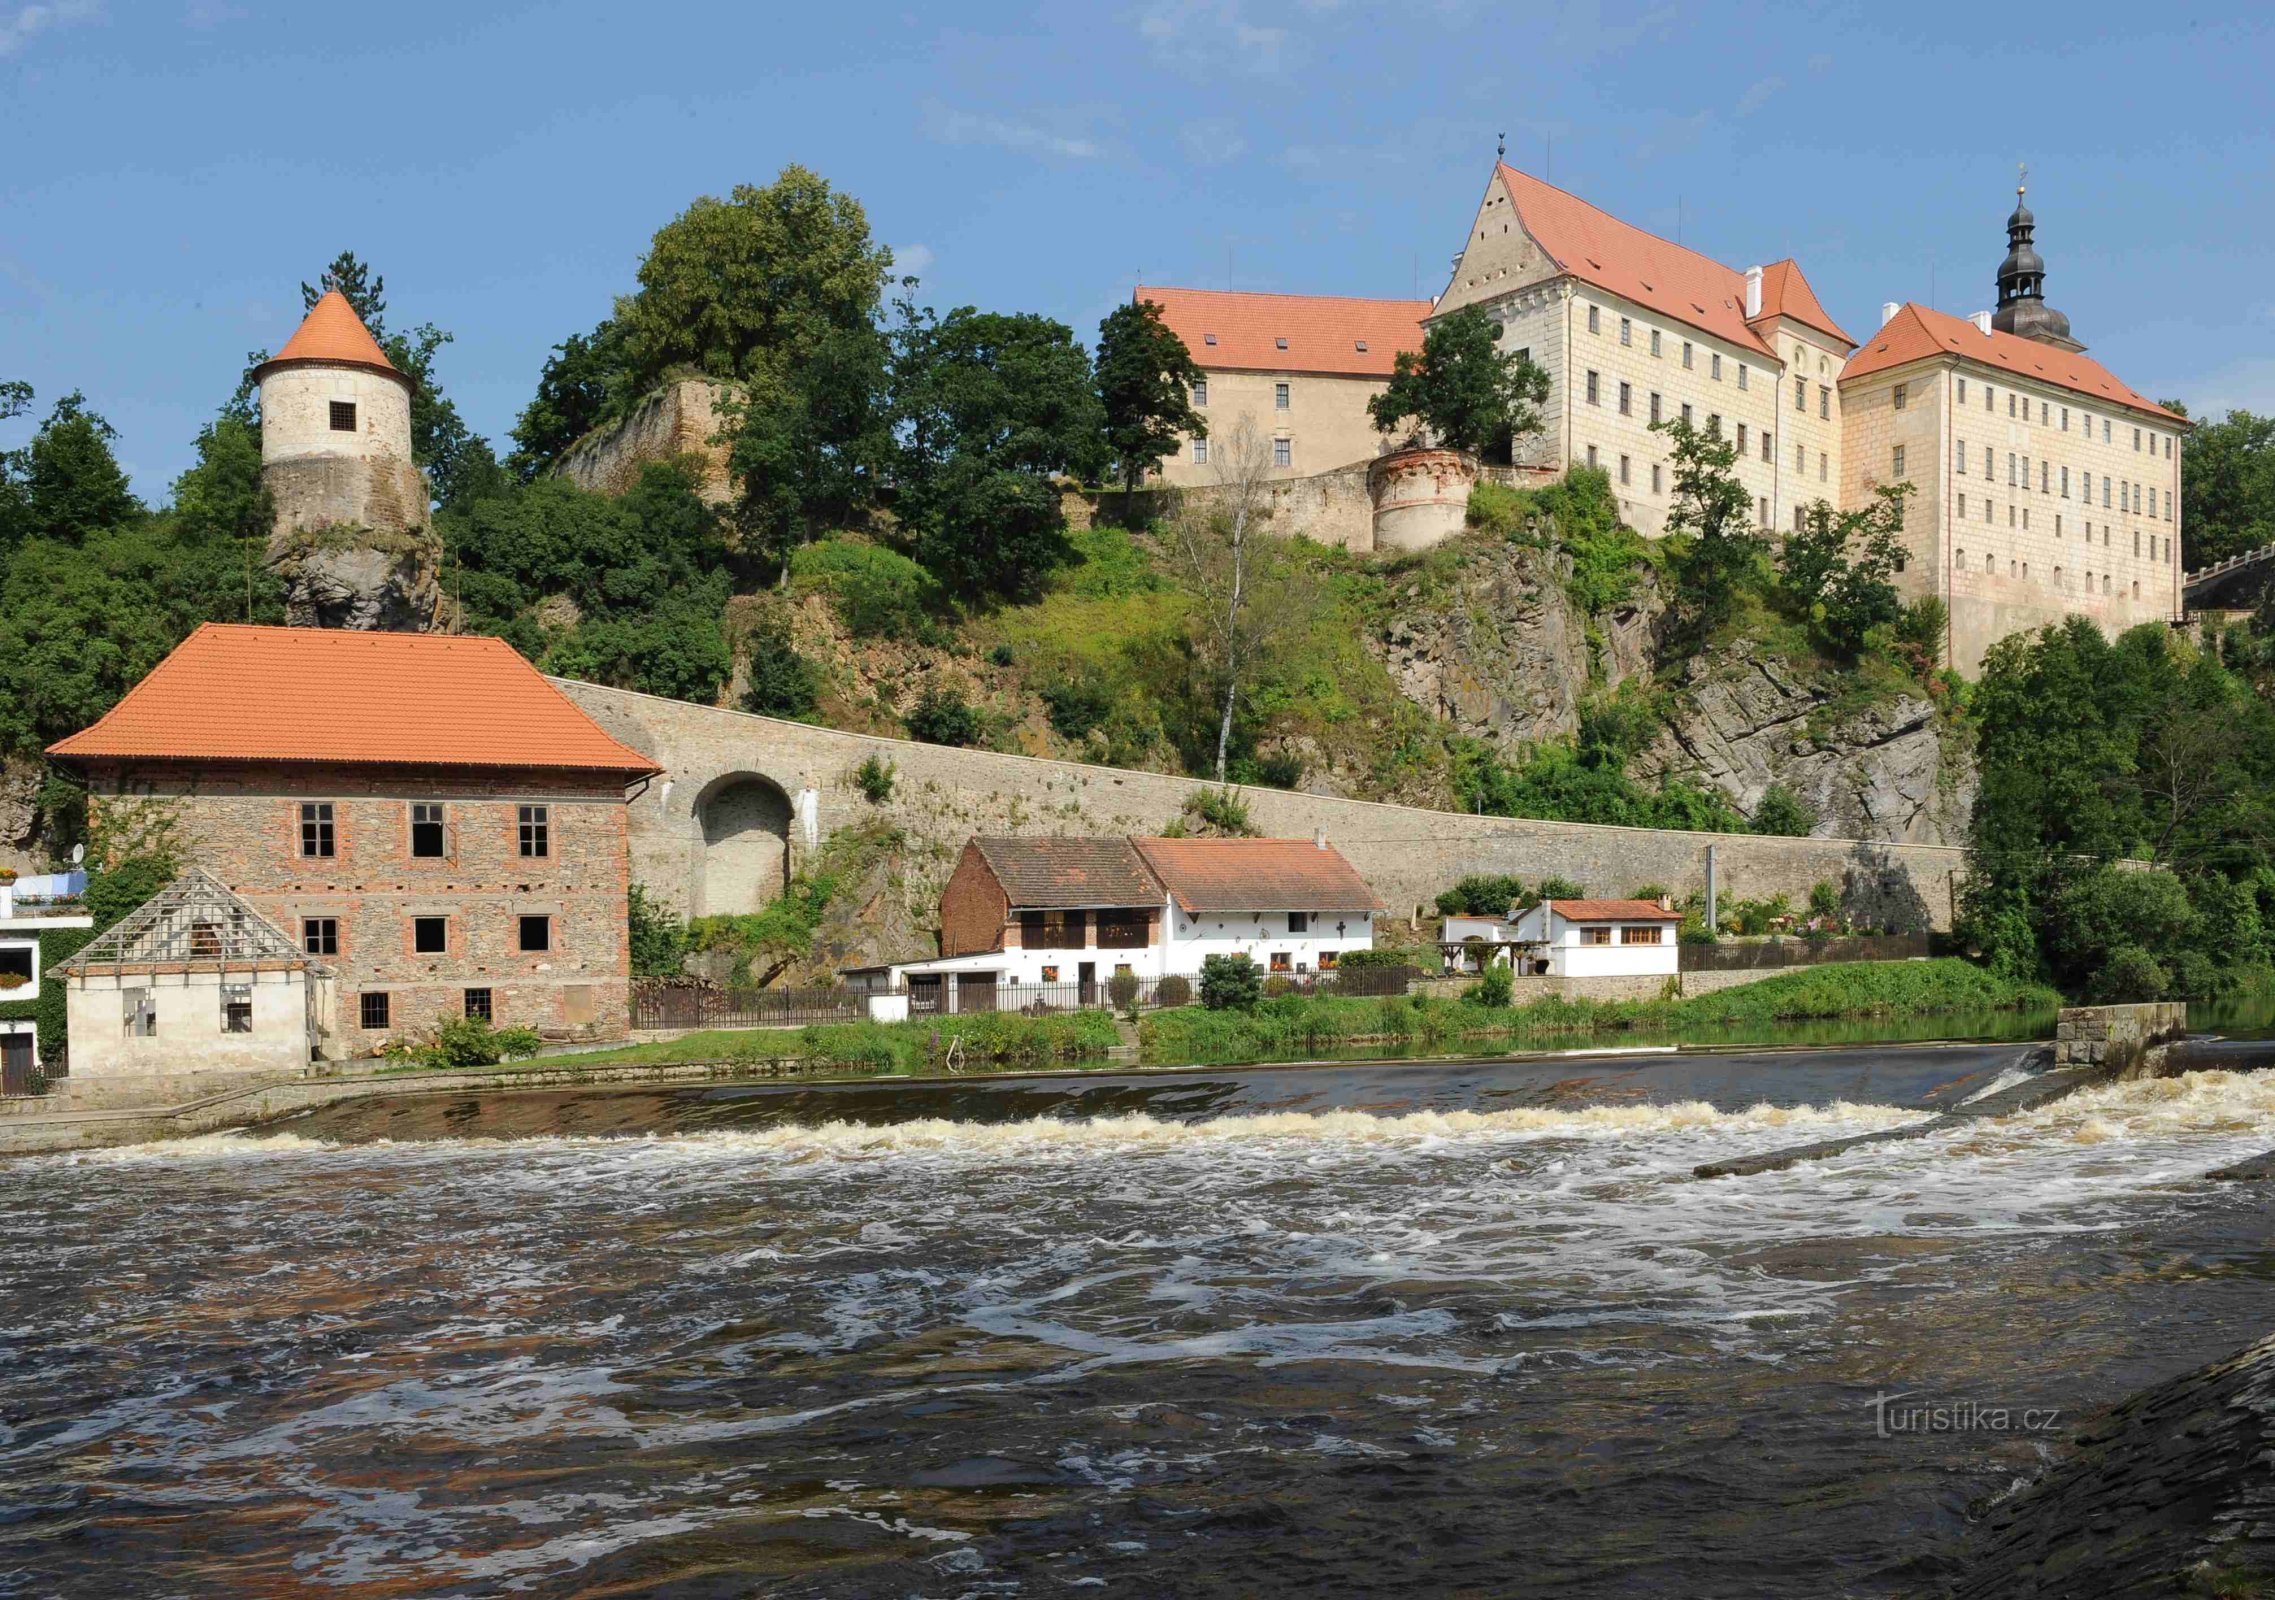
[(426, 817)]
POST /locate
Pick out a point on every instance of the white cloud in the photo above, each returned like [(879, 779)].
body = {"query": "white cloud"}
[(912, 260), (2245, 385), (972, 127), (1212, 141), (1759, 94), (1204, 33), (28, 22)]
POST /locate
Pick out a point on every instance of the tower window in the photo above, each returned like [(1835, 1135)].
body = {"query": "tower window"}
[(1903, 392), (343, 416)]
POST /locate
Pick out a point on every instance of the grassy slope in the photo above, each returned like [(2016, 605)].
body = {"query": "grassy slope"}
[(1841, 990), (991, 1040)]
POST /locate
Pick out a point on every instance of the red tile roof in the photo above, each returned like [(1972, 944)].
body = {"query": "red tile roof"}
[(1620, 258), (1786, 293), (1915, 333), (1323, 333), (235, 693), (1256, 875), (1614, 911), (1066, 874), (332, 332)]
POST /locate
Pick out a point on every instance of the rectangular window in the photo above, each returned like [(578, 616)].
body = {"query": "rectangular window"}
[(1824, 467), (1654, 341), (2105, 438), (1283, 452), (1801, 394), (1989, 398), (139, 1013), (1627, 399), (1686, 355), (1761, 511), (1798, 520), (536, 934), (1962, 391), (1714, 365), (1959, 458), (426, 829), (2136, 441), (1623, 469), (1741, 374), (1299, 922), (2010, 402), (430, 935), (2045, 477), (1741, 439), (1591, 458), (1903, 393), (536, 824), (1200, 452), (371, 1008), (236, 1008), (1626, 331), (1594, 385), (1595, 936), (1714, 424), (478, 1004), (1686, 413), (1200, 391), (343, 416), (1990, 467), (1050, 974), (2105, 491), (1654, 409), (1824, 402), (320, 936), (2025, 472), (1800, 456), (316, 837), (1767, 454), (1654, 477), (2065, 483), (1962, 508), (2010, 469), (1898, 463), (1650, 935), (1595, 319), (1279, 397)]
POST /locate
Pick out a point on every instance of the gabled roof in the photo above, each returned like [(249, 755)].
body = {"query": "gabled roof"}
[(1613, 911), (195, 922), (332, 333), (235, 693), (1322, 333), (1786, 293), (1256, 875), (1069, 874), (1916, 333), (1620, 258)]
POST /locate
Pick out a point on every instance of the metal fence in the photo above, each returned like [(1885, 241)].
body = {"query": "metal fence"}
[(692, 1005), (1753, 955)]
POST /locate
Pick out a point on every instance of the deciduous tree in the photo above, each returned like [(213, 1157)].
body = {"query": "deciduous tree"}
[(1461, 387), (1145, 384)]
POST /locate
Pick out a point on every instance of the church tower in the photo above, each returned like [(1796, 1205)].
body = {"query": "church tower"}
[(2022, 307), (351, 538)]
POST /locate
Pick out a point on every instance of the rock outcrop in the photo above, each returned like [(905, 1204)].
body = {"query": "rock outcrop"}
[(2168, 1493), (1501, 652), (21, 777), (360, 578), (1883, 771)]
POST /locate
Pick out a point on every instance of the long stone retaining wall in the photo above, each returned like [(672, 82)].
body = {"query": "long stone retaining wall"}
[(941, 797)]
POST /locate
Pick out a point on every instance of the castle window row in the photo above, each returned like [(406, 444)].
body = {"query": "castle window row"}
[(1714, 357), (430, 935), (375, 1010), (2021, 569), (2118, 494), (426, 830), (2051, 414), (2155, 546)]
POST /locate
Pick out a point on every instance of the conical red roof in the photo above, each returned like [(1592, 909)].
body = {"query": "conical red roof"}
[(332, 332)]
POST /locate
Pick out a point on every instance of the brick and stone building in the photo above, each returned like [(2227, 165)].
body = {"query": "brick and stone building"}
[(1073, 911), (424, 815)]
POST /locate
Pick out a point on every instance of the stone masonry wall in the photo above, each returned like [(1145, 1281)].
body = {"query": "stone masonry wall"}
[(942, 796), (2120, 1040), (676, 420), (242, 824)]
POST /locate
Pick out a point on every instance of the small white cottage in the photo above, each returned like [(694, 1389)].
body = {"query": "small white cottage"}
[(1600, 938)]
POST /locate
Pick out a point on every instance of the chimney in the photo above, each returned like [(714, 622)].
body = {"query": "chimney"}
[(1753, 291), (1888, 310), (1319, 838), (1982, 322)]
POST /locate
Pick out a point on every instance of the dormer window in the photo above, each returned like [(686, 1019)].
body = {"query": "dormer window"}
[(1362, 346), (1280, 343), (1208, 338), (343, 416)]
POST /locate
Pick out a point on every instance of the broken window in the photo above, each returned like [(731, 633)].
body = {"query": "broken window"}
[(236, 1008)]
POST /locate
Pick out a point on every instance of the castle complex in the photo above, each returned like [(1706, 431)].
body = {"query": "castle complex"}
[(2044, 486)]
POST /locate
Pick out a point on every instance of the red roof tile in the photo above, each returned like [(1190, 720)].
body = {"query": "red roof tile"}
[(1620, 258), (1786, 293), (1916, 333), (235, 693), (1321, 333), (333, 332), (1614, 911), (1064, 874), (1256, 875)]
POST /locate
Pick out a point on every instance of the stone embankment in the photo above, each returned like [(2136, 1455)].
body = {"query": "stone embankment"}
[(2167, 1493)]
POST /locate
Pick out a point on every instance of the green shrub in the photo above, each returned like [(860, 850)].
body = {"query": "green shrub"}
[(942, 717), (2130, 974), (878, 593), (1558, 889), (1230, 983), (1173, 990), (1351, 960), (1078, 702), (783, 683), (658, 937), (1278, 985), (1282, 769), (1492, 988), (1122, 990), (874, 778), (1220, 809), (1481, 894), (1784, 813), (1824, 899), (1003, 656), (473, 1042)]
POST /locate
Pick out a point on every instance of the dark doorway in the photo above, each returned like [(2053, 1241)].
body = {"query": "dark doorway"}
[(15, 1063), (1088, 974)]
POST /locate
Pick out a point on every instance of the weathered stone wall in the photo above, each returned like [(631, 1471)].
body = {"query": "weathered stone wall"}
[(679, 419), (2122, 1041), (242, 825), (1421, 497), (188, 1047), (941, 797)]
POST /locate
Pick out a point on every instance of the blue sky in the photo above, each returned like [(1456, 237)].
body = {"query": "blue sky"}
[(174, 169)]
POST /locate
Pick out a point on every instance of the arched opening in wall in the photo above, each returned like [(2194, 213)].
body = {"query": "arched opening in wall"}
[(745, 824)]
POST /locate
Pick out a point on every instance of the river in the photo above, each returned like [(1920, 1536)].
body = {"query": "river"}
[(1424, 1329)]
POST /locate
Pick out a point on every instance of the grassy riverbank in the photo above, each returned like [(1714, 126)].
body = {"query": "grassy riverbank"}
[(989, 1040), (1893, 990)]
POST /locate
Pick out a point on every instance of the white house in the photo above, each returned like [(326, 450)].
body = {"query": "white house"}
[(1599, 938), (24, 916), (1037, 912)]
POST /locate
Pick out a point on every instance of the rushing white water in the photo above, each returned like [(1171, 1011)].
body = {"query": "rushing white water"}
[(948, 1356)]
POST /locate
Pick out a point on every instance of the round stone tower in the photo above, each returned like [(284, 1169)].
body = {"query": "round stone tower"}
[(351, 539)]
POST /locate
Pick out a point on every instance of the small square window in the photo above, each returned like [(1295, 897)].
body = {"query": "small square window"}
[(316, 835), (536, 831), (320, 936), (1282, 961), (478, 1004), (139, 1012), (343, 416), (371, 1008), (1050, 974), (536, 933), (236, 1008), (430, 936), (426, 829), (1299, 922), (1283, 452)]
